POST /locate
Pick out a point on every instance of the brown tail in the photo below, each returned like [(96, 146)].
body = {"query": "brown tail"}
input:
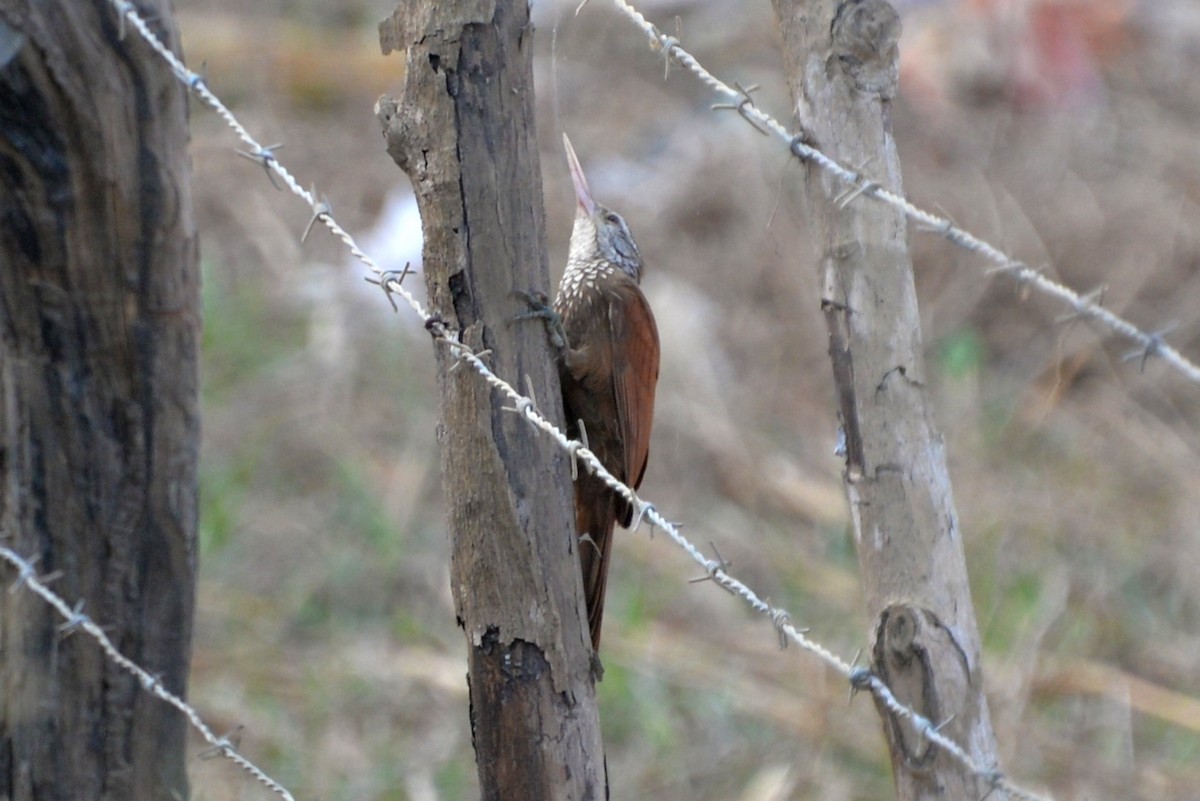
[(595, 515)]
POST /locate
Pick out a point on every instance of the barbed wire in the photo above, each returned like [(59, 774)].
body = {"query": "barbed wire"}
[(75, 620), (263, 154), (1082, 305), (860, 678)]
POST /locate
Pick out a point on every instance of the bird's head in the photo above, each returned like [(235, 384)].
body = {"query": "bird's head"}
[(599, 233)]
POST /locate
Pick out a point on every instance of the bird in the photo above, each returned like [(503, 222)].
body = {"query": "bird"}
[(608, 368)]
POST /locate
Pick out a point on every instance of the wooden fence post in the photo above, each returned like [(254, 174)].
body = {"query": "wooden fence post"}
[(463, 131), (840, 56), (99, 420)]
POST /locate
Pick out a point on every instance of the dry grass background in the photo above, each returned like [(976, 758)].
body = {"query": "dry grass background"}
[(325, 623)]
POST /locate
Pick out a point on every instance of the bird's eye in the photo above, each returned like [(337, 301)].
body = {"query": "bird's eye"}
[(611, 218)]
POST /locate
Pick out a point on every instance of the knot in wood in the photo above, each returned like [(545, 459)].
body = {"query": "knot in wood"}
[(899, 632), (921, 662), (865, 36), (396, 132)]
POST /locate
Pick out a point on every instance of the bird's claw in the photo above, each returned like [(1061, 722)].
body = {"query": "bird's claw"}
[(539, 308), (536, 299)]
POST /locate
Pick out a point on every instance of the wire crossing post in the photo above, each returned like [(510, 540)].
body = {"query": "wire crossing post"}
[(99, 421), (463, 131), (841, 63)]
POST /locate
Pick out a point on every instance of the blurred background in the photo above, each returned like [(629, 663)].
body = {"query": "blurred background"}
[(1065, 131)]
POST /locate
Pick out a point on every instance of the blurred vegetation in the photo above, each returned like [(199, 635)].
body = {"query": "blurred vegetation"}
[(325, 622)]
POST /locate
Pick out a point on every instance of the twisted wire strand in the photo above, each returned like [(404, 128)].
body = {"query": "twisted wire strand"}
[(1082, 306), (264, 154), (76, 620)]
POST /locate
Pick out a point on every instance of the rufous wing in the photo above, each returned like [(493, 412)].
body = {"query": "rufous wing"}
[(608, 383), (635, 377)]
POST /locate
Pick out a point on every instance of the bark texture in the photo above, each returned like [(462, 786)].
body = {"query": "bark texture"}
[(99, 337), (463, 131), (841, 64)]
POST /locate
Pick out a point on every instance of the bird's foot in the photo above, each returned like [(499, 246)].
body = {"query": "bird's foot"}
[(539, 308)]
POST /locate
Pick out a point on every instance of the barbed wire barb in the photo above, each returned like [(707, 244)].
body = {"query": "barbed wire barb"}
[(264, 155), (1092, 297), (744, 102), (320, 208), (1153, 346), (712, 565), (74, 622), (800, 146), (387, 278)]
